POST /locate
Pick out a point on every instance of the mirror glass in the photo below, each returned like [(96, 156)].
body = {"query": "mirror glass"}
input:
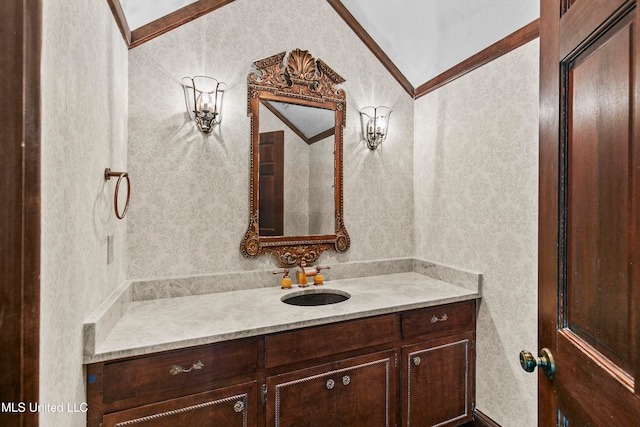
[(296, 169)]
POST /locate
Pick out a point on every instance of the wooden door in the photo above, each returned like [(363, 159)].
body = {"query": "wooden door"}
[(438, 379), (589, 240), (234, 406), (271, 176), (20, 53)]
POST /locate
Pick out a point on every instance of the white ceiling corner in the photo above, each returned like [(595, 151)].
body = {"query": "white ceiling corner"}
[(142, 12), (423, 38)]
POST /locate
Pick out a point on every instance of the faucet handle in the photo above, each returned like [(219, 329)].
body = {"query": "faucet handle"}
[(318, 279), (286, 280)]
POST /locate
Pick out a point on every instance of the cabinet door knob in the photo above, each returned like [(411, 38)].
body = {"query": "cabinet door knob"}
[(346, 380), (330, 384), (239, 406), (417, 360)]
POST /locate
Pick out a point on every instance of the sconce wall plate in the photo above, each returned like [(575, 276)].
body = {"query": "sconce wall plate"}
[(203, 96), (375, 125)]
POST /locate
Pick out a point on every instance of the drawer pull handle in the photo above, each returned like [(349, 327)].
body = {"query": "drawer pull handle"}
[(177, 369), (346, 380), (436, 319), (330, 384), (417, 360), (239, 406)]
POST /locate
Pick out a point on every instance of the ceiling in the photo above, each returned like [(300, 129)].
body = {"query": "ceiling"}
[(141, 12), (422, 38)]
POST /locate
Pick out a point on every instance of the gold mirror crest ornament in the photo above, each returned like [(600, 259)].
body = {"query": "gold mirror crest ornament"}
[(302, 80)]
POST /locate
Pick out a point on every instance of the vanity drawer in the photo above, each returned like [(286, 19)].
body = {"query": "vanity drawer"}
[(440, 320), (297, 346), (177, 373)]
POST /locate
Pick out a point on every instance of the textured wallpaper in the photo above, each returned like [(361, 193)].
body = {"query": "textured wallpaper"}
[(321, 187), (190, 205), (84, 130), (468, 151), (476, 206)]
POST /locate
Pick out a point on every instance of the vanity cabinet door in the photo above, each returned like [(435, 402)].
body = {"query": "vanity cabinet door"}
[(302, 398), (359, 391), (367, 391), (438, 382), (228, 407)]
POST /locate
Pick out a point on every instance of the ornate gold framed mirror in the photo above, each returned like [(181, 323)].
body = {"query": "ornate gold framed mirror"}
[(297, 124)]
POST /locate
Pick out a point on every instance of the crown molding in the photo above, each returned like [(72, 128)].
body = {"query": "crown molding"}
[(162, 25), (190, 12), (372, 45), (511, 42), (121, 21)]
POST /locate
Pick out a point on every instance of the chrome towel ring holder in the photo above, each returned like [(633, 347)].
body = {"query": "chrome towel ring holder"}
[(107, 176)]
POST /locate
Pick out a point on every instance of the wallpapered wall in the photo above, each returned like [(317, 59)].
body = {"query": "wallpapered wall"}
[(472, 160), (190, 206), (84, 130), (476, 206)]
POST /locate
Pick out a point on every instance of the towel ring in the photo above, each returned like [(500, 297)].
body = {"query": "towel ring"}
[(107, 176)]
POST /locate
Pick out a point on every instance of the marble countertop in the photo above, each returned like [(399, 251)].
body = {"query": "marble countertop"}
[(171, 323)]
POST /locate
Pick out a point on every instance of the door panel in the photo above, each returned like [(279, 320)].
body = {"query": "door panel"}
[(234, 406), (589, 275), (438, 382), (589, 388), (271, 191), (366, 391), (598, 84), (359, 391), (302, 398)]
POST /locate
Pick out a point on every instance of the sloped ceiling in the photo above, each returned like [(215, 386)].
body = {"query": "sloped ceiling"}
[(418, 39), (142, 12), (424, 38)]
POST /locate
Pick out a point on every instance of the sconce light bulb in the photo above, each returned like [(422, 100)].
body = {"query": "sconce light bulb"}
[(204, 103)]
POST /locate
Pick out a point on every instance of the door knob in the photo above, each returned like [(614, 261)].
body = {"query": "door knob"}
[(529, 362)]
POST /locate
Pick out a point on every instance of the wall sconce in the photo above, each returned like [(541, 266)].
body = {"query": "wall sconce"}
[(203, 96), (375, 125)]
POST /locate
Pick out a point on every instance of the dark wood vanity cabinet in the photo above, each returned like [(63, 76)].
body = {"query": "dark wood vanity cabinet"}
[(359, 391), (207, 385), (438, 372), (410, 368), (332, 375), (437, 380), (230, 407)]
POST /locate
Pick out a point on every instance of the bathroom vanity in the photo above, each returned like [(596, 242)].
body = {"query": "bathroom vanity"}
[(400, 351), (227, 350)]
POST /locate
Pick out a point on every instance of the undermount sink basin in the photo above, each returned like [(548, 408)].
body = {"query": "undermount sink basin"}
[(313, 297)]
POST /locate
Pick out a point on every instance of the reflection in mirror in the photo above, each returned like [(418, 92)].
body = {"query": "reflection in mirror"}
[(309, 123), (296, 191)]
